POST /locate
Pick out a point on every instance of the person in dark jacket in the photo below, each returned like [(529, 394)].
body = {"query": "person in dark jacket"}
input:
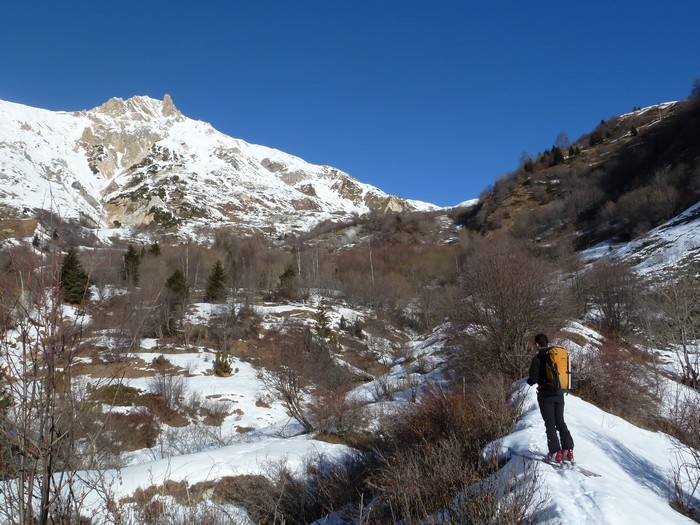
[(550, 398)]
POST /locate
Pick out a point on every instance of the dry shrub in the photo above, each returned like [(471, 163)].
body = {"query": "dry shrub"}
[(117, 395), (427, 462), (280, 497), (334, 413), (277, 498), (215, 412), (170, 387), (154, 506), (431, 483), (159, 407), (684, 424), (618, 381), (133, 431), (432, 458), (475, 415), (616, 293), (302, 360), (506, 294), (415, 483)]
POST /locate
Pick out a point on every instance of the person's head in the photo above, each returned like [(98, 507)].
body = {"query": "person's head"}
[(541, 341)]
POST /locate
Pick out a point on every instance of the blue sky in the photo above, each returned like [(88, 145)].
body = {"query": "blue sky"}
[(426, 100)]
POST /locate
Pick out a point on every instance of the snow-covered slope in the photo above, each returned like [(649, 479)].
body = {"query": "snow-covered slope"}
[(140, 161), (674, 243), (633, 468)]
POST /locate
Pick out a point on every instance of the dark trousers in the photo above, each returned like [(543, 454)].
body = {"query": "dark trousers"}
[(552, 410)]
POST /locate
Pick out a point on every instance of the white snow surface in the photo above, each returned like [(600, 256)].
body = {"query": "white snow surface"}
[(635, 467)]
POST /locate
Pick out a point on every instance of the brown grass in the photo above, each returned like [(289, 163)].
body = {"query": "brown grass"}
[(17, 228)]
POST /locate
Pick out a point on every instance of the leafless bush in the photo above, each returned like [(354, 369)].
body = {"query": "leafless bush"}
[(170, 387), (383, 388), (618, 381), (48, 422), (674, 321), (427, 465), (430, 483), (335, 413), (175, 504), (685, 475), (234, 323), (616, 295), (432, 453), (278, 497), (506, 295), (300, 362), (476, 414)]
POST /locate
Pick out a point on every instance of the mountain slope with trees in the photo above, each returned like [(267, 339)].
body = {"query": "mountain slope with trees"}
[(629, 174), (151, 380)]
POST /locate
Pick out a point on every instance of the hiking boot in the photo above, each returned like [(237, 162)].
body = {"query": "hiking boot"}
[(554, 457), (570, 454)]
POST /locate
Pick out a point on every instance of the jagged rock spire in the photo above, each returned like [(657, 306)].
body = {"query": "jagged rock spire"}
[(169, 108)]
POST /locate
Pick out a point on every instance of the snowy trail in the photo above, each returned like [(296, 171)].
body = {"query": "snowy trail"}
[(635, 468)]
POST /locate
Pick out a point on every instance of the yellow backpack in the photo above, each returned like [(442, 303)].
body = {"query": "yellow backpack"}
[(557, 368)]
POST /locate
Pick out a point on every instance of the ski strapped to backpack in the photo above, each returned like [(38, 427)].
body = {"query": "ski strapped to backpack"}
[(558, 368)]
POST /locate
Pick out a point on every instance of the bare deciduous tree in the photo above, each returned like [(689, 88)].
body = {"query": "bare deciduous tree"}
[(679, 301), (507, 295), (616, 295), (42, 426)]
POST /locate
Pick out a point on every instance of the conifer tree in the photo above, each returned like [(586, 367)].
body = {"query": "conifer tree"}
[(176, 299), (222, 364), (557, 155), (177, 285), (216, 283), (74, 278), (288, 283), (325, 340), (131, 264)]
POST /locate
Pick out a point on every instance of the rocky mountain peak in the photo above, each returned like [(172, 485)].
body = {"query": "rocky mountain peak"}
[(169, 109), (139, 108), (140, 163)]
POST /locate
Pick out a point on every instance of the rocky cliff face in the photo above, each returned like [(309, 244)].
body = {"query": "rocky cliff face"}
[(140, 162)]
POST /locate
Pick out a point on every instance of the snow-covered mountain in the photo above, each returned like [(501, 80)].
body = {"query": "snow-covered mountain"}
[(140, 161)]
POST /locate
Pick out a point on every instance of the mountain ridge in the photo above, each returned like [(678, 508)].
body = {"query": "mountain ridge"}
[(140, 163)]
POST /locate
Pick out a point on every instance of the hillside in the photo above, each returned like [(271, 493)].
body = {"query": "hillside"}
[(629, 174)]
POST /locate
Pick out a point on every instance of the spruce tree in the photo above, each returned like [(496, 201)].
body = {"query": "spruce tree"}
[(216, 283), (177, 286), (74, 278), (557, 155), (131, 264), (177, 295), (288, 282), (323, 323)]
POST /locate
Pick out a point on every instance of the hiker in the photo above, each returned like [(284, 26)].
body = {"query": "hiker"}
[(550, 398)]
